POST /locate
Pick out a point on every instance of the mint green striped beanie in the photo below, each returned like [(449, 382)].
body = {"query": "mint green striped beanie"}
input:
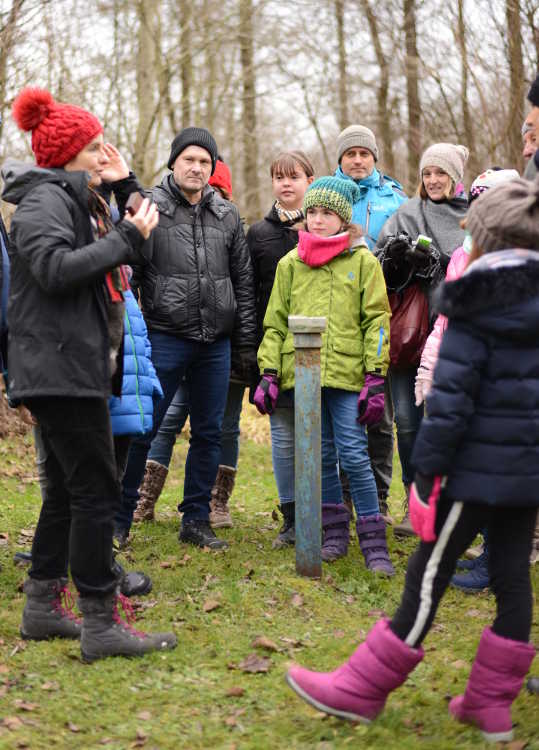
[(333, 193)]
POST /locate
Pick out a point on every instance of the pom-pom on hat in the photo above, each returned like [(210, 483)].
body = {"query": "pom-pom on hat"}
[(333, 193), (447, 156), (490, 178), (59, 131)]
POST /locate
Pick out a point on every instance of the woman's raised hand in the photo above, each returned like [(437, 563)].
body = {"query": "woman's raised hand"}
[(117, 168), (145, 219)]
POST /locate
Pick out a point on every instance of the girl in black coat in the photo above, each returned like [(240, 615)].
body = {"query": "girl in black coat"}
[(481, 435)]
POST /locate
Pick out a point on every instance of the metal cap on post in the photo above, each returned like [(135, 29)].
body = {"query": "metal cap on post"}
[(308, 443)]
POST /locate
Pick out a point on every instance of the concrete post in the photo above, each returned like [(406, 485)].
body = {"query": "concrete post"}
[(308, 451)]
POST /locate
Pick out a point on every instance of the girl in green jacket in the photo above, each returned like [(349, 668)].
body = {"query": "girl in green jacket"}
[(332, 273)]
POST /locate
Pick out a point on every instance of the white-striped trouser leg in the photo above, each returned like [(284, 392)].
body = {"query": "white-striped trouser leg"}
[(430, 573)]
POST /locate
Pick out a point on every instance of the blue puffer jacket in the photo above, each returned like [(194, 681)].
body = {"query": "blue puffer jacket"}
[(380, 198), (482, 423), (132, 413)]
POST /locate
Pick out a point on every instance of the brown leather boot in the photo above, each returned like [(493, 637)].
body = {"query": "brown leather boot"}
[(150, 489), (220, 495), (384, 510)]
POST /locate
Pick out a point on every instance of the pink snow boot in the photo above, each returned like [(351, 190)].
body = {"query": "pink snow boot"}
[(358, 690), (498, 672)]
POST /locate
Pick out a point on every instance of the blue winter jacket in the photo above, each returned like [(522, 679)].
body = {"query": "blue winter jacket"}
[(380, 198), (132, 413), (482, 423)]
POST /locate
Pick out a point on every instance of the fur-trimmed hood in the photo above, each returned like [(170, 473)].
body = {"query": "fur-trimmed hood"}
[(498, 293)]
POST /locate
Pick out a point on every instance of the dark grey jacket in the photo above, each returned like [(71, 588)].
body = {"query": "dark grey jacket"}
[(58, 331), (199, 283)]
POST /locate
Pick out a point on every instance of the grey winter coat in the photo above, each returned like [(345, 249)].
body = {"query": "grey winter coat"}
[(440, 221)]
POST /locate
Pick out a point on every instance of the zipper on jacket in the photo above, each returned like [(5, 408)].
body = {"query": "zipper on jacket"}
[(368, 219), (380, 341), (137, 394)]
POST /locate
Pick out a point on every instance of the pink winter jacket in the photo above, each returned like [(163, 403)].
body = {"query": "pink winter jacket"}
[(429, 357)]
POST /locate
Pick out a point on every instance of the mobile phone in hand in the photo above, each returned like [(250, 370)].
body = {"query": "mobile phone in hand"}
[(133, 203)]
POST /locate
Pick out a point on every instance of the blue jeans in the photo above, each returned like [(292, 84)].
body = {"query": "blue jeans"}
[(339, 408), (176, 416), (204, 370), (408, 417), (343, 435)]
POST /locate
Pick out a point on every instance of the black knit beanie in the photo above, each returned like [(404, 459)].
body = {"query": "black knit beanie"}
[(193, 137), (533, 93)]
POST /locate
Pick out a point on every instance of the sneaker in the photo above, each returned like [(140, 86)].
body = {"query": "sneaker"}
[(200, 533)]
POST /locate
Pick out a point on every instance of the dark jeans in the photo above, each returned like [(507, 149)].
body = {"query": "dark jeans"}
[(408, 417), (176, 416), (380, 437), (80, 493), (204, 371), (510, 532)]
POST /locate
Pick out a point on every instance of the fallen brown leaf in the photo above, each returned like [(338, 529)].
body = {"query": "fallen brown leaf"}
[(376, 613), (141, 734), (516, 745), (72, 727), (235, 691), (262, 642), (50, 686), (254, 663), (230, 721), (12, 723), (339, 633), (166, 564), (296, 600), (210, 604), (24, 705), (4, 669), (460, 664), (144, 715)]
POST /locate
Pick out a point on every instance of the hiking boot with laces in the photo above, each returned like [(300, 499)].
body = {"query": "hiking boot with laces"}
[(155, 476), (384, 510), (106, 633), (220, 495), (404, 528), (48, 611), (201, 534)]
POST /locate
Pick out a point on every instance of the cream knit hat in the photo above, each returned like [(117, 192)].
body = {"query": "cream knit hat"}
[(449, 157)]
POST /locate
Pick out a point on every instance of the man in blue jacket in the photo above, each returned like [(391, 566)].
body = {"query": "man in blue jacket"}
[(357, 154)]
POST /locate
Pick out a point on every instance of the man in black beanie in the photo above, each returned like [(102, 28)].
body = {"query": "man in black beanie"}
[(197, 297)]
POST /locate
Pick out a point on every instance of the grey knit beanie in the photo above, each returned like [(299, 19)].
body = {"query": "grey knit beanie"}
[(358, 136), (449, 157), (506, 216)]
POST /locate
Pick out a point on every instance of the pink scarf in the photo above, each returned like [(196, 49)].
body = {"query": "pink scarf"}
[(317, 251)]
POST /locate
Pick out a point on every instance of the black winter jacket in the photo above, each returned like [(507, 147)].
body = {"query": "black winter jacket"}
[(199, 283), (482, 423), (269, 240), (58, 332)]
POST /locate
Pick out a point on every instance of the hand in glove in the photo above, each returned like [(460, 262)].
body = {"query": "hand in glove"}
[(267, 393), (424, 495), (370, 404), (243, 362)]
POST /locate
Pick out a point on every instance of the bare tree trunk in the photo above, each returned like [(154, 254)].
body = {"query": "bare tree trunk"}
[(515, 114), (146, 70), (384, 110), (343, 97), (186, 67), (412, 92), (469, 132), (7, 39), (251, 197)]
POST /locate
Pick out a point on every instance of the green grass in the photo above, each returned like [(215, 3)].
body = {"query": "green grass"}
[(181, 699)]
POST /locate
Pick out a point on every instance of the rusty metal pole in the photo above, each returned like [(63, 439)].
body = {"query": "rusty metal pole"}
[(308, 443)]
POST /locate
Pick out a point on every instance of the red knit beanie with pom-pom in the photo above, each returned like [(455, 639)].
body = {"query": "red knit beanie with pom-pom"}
[(59, 131)]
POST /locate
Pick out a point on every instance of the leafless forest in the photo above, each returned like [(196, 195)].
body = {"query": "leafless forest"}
[(265, 75)]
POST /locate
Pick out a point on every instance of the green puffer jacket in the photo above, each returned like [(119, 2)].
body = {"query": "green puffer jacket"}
[(350, 292)]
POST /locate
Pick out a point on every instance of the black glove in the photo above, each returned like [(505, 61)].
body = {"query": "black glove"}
[(244, 362)]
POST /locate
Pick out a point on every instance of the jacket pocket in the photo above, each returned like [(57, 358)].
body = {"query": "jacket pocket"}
[(172, 298), (288, 359), (351, 346)]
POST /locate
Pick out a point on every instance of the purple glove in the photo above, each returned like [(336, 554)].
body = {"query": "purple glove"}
[(266, 394), (370, 404)]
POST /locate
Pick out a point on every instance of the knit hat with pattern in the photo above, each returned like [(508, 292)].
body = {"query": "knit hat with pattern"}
[(447, 156), (193, 137), (488, 179), (59, 131), (358, 136), (333, 193), (506, 216)]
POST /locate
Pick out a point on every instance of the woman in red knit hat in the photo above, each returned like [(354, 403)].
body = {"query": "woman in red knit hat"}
[(66, 327)]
